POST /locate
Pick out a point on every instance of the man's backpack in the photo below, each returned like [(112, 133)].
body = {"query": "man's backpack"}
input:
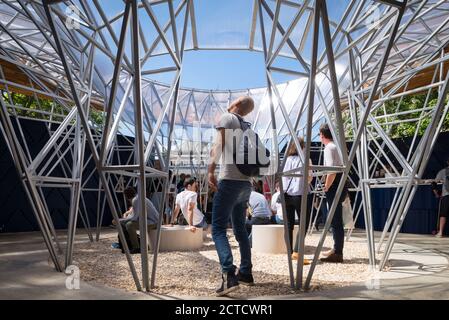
[(250, 155)]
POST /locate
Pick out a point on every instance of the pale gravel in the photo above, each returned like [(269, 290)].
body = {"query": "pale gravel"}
[(196, 273)]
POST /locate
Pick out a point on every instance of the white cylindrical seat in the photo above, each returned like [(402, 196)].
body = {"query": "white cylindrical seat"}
[(269, 238), (177, 238)]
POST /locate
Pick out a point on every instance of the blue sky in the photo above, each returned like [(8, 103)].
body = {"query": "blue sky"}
[(220, 24), (223, 70), (224, 22)]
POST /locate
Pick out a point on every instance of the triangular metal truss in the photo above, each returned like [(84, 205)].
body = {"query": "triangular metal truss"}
[(343, 68)]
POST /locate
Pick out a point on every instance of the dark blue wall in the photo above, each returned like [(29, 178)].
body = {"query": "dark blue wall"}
[(421, 218), (423, 214), (16, 214)]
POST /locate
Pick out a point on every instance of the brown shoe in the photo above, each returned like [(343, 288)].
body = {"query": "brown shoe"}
[(295, 256), (333, 258), (328, 253)]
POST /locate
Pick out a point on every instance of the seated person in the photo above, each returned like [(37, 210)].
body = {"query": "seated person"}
[(259, 211), (186, 202), (129, 213), (276, 206), (130, 223)]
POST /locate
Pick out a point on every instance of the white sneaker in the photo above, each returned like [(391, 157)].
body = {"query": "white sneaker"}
[(438, 235), (328, 253)]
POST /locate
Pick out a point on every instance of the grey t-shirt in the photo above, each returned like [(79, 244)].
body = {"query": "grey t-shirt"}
[(442, 176), (228, 169), (152, 213)]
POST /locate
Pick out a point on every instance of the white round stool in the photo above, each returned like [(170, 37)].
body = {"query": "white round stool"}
[(177, 238), (269, 238)]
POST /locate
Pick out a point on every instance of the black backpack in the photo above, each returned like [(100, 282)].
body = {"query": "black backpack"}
[(249, 154)]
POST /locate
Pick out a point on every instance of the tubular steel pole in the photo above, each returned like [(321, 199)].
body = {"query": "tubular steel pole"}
[(140, 144), (273, 124), (90, 140), (166, 185), (305, 175), (25, 177)]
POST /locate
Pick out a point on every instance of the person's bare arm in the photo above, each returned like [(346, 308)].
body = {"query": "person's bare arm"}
[(215, 155), (125, 216), (435, 190), (330, 178), (249, 211), (436, 193), (127, 213), (190, 216), (175, 214)]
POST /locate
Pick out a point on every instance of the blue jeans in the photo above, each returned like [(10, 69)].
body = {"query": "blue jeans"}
[(202, 224), (231, 201)]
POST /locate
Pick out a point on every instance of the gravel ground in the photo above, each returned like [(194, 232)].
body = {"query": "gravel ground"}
[(196, 273)]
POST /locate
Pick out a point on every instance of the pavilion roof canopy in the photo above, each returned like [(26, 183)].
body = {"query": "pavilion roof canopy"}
[(26, 40)]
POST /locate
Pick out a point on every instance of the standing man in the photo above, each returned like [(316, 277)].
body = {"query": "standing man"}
[(442, 176), (332, 159), (231, 197)]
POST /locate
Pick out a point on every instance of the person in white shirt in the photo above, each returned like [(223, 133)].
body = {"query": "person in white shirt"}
[(276, 206), (332, 159), (187, 203), (293, 190)]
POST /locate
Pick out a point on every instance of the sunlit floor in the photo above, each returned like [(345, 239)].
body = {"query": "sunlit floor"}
[(418, 270)]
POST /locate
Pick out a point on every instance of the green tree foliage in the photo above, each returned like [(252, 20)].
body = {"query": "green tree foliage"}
[(401, 119), (28, 106), (97, 117)]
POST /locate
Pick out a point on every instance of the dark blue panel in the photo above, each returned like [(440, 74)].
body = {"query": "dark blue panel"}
[(16, 214), (421, 218)]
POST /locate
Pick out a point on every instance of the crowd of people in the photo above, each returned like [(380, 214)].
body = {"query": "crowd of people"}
[(238, 201)]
